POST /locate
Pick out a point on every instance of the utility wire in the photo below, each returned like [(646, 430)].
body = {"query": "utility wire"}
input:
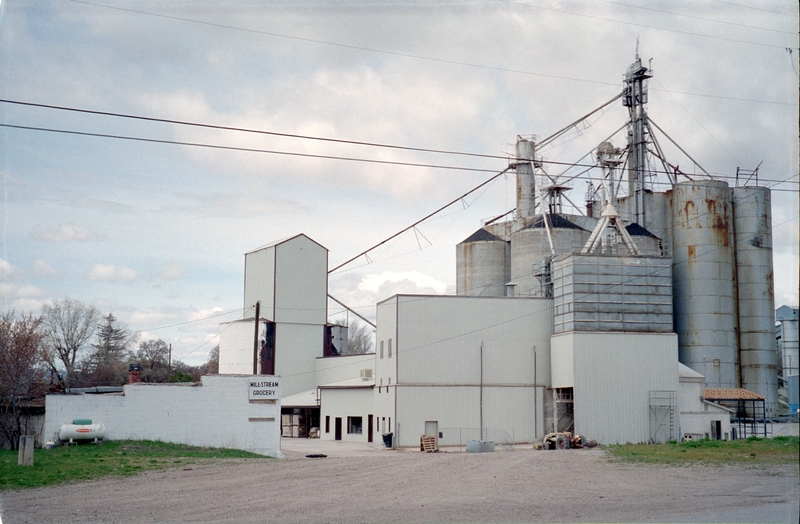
[(438, 60), (245, 129), (310, 155)]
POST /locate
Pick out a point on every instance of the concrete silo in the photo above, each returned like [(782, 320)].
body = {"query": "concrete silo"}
[(755, 289), (482, 265), (703, 280)]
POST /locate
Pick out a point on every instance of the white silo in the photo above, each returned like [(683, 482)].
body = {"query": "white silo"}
[(703, 280), (756, 293)]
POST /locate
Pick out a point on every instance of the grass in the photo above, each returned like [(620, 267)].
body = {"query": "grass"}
[(754, 450), (90, 461)]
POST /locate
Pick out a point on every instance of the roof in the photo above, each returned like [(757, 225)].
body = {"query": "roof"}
[(482, 235), (304, 399), (686, 372), (635, 230), (730, 394), (786, 313), (350, 383), (283, 241), (553, 220)]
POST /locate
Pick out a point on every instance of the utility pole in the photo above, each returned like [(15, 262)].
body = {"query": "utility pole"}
[(169, 363), (255, 340)]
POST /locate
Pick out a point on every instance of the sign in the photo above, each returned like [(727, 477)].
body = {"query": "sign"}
[(265, 389)]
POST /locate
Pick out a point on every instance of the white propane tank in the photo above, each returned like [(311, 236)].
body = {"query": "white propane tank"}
[(81, 429)]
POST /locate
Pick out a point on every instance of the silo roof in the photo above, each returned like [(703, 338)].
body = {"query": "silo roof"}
[(635, 229), (482, 235), (554, 220)]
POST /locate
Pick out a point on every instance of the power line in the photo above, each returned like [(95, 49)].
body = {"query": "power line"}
[(442, 60), (319, 156), (244, 129), (698, 17), (756, 8), (689, 33)]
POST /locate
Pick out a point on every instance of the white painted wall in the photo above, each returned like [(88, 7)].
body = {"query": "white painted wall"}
[(337, 369), (236, 347), (343, 403), (259, 276), (696, 415), (216, 413)]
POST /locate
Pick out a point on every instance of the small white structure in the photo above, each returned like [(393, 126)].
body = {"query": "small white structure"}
[(238, 412), (700, 418)]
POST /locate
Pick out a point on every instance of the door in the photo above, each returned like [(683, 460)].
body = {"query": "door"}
[(369, 428), (338, 428), (432, 430)]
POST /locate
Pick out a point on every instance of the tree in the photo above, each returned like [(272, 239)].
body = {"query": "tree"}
[(359, 338), (113, 339), (21, 376), (152, 355), (212, 366), (68, 325)]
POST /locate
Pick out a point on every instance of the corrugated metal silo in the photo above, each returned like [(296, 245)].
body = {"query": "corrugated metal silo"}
[(756, 293), (482, 265), (530, 247), (703, 280)]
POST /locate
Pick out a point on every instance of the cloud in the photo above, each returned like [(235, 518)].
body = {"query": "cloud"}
[(111, 273), (173, 271), (61, 234), (7, 270), (402, 282), (43, 270)]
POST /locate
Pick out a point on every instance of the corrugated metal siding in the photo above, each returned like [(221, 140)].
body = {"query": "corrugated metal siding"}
[(508, 413), (259, 271), (440, 337), (614, 373), (301, 282)]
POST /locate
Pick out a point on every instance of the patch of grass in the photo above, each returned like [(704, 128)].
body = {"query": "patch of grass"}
[(754, 450), (90, 461)]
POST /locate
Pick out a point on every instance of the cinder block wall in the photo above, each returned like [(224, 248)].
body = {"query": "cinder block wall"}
[(214, 413)]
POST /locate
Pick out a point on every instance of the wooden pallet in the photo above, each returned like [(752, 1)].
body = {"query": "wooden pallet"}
[(427, 444)]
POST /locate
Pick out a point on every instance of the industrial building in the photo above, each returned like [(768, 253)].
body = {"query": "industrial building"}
[(619, 322)]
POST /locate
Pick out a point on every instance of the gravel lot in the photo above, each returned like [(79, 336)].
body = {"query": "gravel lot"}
[(364, 483)]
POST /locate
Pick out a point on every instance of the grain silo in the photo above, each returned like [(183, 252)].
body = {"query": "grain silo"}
[(482, 265), (755, 290), (703, 280)]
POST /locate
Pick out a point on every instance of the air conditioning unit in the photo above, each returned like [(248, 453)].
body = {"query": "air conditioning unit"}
[(366, 374)]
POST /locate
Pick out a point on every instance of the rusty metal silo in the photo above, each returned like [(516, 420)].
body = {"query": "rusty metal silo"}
[(703, 280), (756, 292), (482, 265)]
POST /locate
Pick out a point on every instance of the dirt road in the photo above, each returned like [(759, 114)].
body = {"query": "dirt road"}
[(366, 484)]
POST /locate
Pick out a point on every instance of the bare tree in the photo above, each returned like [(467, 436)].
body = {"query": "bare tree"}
[(359, 338), (21, 377), (68, 325), (212, 366)]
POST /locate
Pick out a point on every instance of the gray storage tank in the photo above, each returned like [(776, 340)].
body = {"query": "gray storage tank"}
[(482, 265), (703, 280), (530, 249), (755, 287)]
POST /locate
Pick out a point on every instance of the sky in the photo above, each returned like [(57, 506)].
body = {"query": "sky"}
[(155, 231)]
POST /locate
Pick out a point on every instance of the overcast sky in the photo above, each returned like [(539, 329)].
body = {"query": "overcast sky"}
[(155, 233)]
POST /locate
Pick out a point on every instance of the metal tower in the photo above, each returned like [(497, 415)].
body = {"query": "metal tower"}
[(634, 98)]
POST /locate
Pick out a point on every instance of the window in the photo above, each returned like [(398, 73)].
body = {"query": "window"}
[(327, 423), (381, 349), (390, 348), (354, 425)]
